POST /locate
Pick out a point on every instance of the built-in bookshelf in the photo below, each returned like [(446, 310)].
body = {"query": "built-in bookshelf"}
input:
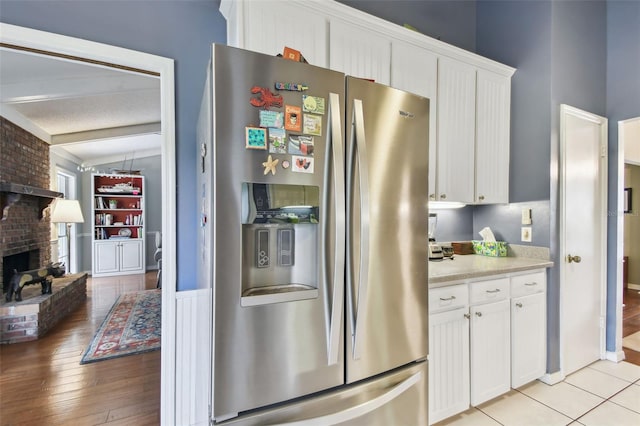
[(118, 224)]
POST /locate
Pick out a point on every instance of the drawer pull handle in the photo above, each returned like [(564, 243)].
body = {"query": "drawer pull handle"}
[(519, 305), (444, 299), (497, 290), (530, 284), (478, 314)]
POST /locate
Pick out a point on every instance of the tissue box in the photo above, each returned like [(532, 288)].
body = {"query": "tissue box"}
[(493, 249)]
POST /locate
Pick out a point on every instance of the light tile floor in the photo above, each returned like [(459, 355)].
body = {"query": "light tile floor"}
[(603, 394)]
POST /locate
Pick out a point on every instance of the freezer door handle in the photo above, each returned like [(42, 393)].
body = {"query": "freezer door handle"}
[(360, 410), (358, 301), (335, 155)]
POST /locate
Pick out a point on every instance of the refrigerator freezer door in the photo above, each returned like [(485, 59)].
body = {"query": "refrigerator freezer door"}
[(269, 344), (387, 217), (398, 398)]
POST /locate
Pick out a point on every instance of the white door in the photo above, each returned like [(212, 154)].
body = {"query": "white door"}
[(583, 215)]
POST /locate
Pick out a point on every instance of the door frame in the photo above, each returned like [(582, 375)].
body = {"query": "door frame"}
[(618, 354), (565, 112), (28, 38)]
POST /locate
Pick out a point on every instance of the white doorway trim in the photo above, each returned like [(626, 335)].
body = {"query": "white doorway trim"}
[(49, 42), (618, 354), (567, 111)]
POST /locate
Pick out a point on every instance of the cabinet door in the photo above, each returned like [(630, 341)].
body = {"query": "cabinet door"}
[(490, 351), (492, 137), (456, 131), (448, 364), (528, 338), (358, 52), (271, 25), (132, 257), (106, 257), (415, 70)]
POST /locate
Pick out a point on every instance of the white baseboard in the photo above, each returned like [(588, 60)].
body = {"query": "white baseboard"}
[(615, 356), (633, 286), (552, 378)]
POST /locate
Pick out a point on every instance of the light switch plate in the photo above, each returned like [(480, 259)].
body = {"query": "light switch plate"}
[(525, 234), (526, 216)]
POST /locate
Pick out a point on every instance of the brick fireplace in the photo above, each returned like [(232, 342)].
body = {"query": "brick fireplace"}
[(25, 234), (24, 160)]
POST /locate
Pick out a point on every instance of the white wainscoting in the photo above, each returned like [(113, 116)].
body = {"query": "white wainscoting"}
[(193, 349)]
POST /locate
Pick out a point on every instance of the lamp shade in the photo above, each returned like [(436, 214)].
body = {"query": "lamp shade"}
[(66, 211)]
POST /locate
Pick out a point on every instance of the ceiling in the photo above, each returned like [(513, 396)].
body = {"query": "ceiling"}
[(89, 113)]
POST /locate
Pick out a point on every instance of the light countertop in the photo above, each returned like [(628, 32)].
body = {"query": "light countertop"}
[(464, 267)]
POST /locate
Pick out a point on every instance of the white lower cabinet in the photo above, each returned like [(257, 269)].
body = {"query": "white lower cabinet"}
[(449, 352), (118, 257), (485, 337), (528, 328), (490, 351)]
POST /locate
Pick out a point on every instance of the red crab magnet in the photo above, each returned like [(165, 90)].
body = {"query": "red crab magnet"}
[(265, 98)]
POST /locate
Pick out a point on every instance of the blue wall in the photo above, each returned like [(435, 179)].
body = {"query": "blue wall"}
[(181, 30), (453, 22), (623, 102), (518, 33), (560, 51)]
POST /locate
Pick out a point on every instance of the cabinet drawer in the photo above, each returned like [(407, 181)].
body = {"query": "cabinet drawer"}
[(522, 285), (447, 298), (489, 291)]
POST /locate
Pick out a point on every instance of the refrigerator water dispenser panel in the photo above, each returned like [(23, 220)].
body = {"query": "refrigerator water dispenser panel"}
[(279, 243)]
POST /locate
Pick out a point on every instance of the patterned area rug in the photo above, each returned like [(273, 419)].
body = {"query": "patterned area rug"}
[(132, 326)]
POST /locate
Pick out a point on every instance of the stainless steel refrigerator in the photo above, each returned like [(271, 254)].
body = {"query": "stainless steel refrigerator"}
[(313, 213)]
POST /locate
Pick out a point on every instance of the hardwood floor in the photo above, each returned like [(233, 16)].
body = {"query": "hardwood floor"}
[(43, 383), (631, 321)]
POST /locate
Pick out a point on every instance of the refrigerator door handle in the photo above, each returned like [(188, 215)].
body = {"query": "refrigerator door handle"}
[(334, 154), (359, 144), (361, 409)]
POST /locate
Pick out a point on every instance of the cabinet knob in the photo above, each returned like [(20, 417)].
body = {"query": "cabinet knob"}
[(443, 196), (519, 305), (478, 314), (432, 196), (467, 316), (481, 198)]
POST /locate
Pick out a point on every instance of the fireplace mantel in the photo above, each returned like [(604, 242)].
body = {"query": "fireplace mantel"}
[(10, 193)]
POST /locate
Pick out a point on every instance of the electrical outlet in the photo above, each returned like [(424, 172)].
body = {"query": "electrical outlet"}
[(525, 234)]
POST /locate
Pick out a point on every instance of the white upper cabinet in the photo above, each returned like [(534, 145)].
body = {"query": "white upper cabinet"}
[(415, 70), (493, 95), (359, 52), (270, 25), (470, 95), (456, 131)]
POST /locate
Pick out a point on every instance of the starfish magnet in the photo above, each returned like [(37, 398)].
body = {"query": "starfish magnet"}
[(270, 165)]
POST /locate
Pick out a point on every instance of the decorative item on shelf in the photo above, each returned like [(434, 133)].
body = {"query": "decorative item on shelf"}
[(125, 232), (113, 204)]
